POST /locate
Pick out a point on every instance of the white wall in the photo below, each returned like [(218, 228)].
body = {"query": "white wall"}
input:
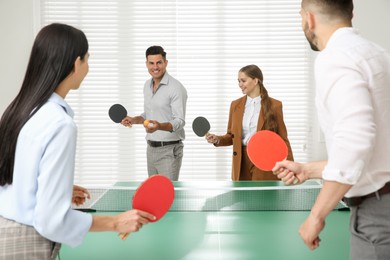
[(16, 30), (17, 34), (372, 18)]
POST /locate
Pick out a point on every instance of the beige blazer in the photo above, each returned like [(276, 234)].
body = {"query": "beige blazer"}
[(233, 135)]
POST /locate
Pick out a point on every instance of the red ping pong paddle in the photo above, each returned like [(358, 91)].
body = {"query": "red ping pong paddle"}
[(201, 126), (155, 196), (265, 148)]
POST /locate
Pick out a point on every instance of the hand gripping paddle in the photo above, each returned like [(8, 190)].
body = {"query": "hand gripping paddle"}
[(117, 113), (265, 148), (201, 126), (155, 196)]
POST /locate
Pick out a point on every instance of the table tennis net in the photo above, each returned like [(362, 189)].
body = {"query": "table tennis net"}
[(215, 196)]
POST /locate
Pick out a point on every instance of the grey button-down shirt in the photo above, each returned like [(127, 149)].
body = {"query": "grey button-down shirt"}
[(167, 104)]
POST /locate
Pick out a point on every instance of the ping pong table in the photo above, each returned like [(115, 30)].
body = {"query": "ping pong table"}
[(219, 221)]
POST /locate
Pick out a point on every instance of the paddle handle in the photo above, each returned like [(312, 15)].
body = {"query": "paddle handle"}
[(127, 124), (295, 181), (214, 141), (123, 236)]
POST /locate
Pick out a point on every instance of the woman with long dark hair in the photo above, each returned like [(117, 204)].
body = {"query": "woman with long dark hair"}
[(37, 152), (251, 113)]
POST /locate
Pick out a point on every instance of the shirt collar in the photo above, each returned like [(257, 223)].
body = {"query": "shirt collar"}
[(57, 99), (339, 33), (250, 100), (164, 80)]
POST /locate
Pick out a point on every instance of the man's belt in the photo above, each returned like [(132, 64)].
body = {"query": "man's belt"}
[(356, 201), (160, 144)]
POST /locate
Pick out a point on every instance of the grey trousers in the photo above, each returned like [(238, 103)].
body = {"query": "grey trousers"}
[(165, 160), (370, 229), (21, 242)]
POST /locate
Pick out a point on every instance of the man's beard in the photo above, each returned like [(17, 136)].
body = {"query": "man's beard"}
[(310, 36)]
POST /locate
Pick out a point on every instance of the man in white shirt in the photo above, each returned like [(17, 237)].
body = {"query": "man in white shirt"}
[(353, 104)]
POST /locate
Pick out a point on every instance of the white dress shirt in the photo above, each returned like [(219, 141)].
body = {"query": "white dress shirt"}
[(353, 104), (251, 118), (41, 192)]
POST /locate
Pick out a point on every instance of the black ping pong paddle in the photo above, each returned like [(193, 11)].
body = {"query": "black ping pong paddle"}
[(201, 126), (117, 113)]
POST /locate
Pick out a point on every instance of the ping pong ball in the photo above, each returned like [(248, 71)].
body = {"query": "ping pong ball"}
[(147, 123)]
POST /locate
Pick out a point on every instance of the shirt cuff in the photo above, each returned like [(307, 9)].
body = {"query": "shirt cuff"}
[(349, 176)]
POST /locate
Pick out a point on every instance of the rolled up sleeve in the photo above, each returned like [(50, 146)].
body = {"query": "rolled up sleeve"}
[(345, 106), (178, 106)]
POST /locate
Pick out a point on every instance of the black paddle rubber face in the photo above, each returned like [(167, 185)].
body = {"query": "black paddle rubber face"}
[(117, 113), (200, 126)]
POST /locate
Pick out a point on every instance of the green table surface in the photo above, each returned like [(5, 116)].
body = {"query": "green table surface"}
[(238, 235)]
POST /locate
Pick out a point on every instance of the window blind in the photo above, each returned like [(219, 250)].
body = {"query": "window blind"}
[(207, 42)]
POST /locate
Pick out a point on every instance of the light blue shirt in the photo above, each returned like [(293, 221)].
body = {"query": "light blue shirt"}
[(167, 104), (41, 192)]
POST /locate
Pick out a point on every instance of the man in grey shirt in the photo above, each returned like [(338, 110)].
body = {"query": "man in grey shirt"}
[(165, 100)]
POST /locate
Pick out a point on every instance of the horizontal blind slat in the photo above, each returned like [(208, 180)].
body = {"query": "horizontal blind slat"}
[(207, 42)]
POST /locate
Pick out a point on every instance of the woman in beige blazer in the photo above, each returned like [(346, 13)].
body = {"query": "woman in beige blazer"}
[(251, 113)]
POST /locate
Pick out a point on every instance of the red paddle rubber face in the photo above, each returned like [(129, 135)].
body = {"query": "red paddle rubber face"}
[(155, 195), (265, 149)]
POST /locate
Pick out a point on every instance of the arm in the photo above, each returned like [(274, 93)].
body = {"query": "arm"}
[(130, 121), (226, 139), (178, 107), (127, 222), (155, 125), (53, 216), (288, 170), (330, 194), (178, 110), (346, 114)]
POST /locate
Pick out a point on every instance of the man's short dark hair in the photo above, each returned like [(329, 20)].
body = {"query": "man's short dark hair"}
[(156, 50), (333, 8)]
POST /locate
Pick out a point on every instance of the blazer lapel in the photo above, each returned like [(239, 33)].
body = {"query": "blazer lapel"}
[(260, 123), (239, 110), (238, 115)]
